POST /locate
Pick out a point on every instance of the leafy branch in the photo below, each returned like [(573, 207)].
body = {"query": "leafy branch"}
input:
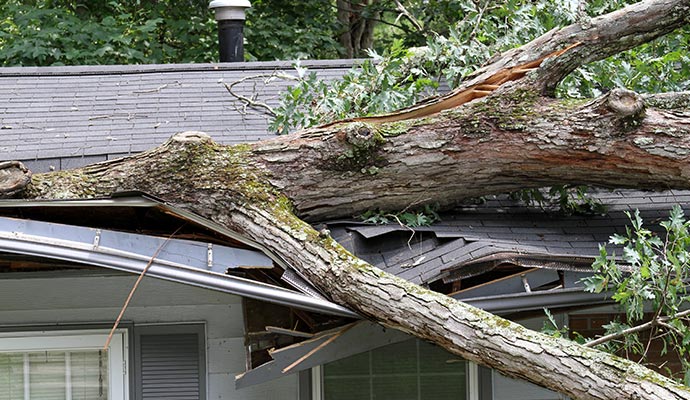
[(652, 279), (424, 216)]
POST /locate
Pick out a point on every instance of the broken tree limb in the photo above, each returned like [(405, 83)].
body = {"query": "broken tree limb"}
[(510, 140), (14, 177)]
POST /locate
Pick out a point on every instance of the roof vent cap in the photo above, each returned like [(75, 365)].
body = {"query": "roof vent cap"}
[(229, 9)]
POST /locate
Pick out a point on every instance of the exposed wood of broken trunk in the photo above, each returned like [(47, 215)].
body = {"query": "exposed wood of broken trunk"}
[(511, 139)]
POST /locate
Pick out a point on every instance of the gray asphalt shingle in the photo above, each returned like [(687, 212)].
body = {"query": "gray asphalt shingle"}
[(80, 112), (508, 228)]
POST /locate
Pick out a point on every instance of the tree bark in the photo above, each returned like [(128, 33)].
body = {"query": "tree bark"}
[(512, 138), (357, 31)]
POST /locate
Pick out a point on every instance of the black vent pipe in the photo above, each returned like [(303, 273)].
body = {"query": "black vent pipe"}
[(230, 15)]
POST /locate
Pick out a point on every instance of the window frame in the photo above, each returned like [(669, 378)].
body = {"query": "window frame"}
[(82, 339), (477, 388)]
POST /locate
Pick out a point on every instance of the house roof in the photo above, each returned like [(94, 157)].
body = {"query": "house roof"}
[(64, 117), (68, 116)]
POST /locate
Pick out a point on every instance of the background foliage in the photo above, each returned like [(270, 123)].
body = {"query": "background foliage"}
[(72, 32), (289, 30), (67, 32)]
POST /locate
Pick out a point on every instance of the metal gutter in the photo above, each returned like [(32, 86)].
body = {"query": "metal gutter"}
[(515, 302), (131, 199), (81, 245), (144, 200)]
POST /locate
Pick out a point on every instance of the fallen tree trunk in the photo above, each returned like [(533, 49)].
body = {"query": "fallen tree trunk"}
[(510, 138)]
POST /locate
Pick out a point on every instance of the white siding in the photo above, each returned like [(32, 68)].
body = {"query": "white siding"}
[(62, 298)]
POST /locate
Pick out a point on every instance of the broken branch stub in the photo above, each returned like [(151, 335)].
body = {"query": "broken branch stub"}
[(626, 103), (14, 177)]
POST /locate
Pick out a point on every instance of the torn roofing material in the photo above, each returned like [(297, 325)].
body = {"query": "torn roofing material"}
[(474, 239)]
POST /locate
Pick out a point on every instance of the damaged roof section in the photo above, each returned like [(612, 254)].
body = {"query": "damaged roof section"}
[(502, 241)]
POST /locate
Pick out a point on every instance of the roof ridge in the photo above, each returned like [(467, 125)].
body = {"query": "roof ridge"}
[(77, 70)]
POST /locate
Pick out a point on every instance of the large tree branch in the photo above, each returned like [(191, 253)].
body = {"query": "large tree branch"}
[(599, 38), (504, 142), (225, 185), (556, 54)]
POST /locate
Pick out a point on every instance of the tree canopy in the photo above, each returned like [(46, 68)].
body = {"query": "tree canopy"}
[(458, 34)]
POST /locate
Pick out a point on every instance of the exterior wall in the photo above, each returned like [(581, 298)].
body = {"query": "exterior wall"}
[(59, 298)]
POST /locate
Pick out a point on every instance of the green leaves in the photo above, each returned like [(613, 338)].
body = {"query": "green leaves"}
[(425, 216), (376, 86), (569, 199), (650, 283), (54, 33)]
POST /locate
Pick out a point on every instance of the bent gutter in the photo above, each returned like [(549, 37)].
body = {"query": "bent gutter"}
[(145, 200), (27, 242)]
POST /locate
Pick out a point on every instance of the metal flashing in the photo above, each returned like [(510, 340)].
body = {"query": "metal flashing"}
[(557, 298)]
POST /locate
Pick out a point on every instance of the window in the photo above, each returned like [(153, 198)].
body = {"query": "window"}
[(64, 365), (410, 370)]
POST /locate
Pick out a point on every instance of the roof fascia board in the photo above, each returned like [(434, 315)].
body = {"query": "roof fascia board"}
[(169, 251)]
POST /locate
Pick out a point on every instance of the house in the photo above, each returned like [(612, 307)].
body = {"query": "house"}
[(214, 304)]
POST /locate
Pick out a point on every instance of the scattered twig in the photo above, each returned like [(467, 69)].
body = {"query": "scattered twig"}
[(252, 102), (479, 21), (158, 89), (638, 328), (134, 288)]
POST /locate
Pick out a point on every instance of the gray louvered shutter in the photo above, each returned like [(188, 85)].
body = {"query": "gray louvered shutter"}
[(171, 367)]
